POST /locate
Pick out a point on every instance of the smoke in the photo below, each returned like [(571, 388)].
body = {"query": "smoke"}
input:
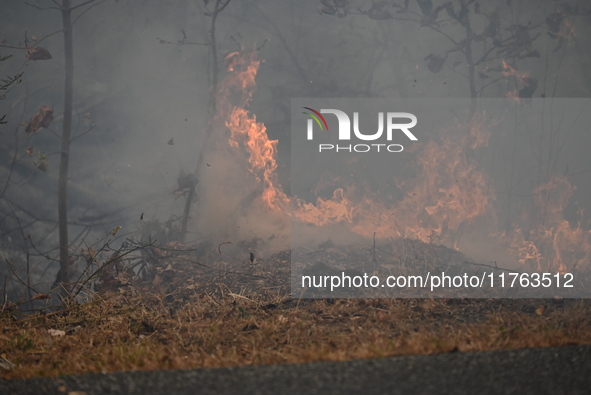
[(230, 207), (143, 78), (240, 197)]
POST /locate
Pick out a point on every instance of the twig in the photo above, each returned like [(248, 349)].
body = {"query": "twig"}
[(42, 8), (180, 42)]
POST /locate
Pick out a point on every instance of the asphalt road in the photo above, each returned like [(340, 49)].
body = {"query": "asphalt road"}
[(563, 370)]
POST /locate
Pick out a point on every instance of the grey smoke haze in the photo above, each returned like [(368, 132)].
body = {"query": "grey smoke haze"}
[(141, 93)]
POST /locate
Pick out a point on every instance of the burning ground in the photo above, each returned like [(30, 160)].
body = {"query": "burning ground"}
[(448, 190)]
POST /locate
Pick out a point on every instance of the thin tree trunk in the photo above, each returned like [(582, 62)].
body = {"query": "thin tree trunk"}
[(219, 7), (66, 137), (470, 59)]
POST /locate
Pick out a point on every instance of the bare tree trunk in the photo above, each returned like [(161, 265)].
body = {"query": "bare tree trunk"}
[(66, 11), (214, 51), (469, 57), (220, 5)]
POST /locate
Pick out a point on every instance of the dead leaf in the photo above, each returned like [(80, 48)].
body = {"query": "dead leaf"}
[(47, 113), (29, 151), (540, 310), (42, 296), (91, 252), (37, 52), (40, 120), (115, 230), (56, 332)]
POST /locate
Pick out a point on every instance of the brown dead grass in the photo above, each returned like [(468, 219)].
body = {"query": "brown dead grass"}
[(136, 330), (181, 325)]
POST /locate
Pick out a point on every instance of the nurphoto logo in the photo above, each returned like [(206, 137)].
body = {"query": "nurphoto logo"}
[(391, 119)]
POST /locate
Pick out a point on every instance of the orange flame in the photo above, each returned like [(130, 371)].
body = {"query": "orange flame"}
[(337, 209), (553, 243), (252, 136), (448, 192), (510, 71), (248, 134), (447, 195), (521, 76)]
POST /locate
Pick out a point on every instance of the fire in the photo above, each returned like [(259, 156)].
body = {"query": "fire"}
[(553, 243), (337, 209), (248, 134), (448, 192), (450, 187), (243, 74), (510, 71), (447, 196), (520, 76), (251, 135)]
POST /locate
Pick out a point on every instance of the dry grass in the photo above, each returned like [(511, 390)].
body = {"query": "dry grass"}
[(137, 330), (181, 325)]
